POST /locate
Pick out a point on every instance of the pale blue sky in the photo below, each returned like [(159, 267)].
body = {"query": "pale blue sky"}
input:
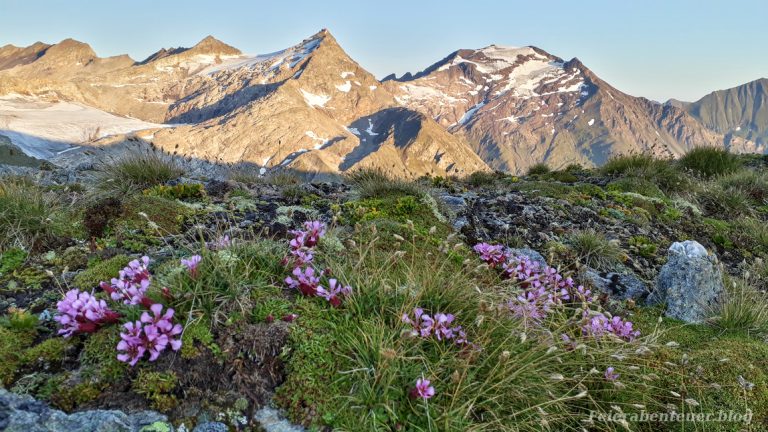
[(658, 49)]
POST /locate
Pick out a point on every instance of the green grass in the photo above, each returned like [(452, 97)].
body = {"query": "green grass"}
[(29, 216), (227, 282), (661, 172), (539, 169), (748, 182), (709, 162), (743, 308)]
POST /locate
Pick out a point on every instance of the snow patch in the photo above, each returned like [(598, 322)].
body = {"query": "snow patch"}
[(369, 130), (320, 141), (591, 122), (347, 74), (468, 115), (44, 129), (314, 100), (346, 87)]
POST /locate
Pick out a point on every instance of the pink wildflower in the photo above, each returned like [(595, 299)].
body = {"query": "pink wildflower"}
[(191, 264), (423, 389), (334, 293), (152, 334), (610, 374), (494, 255), (132, 283), (82, 312), (306, 281)]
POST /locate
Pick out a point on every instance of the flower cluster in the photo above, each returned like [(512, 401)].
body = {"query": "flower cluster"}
[(544, 289), (439, 326), (131, 284), (599, 325), (151, 334), (494, 255), (304, 277), (82, 312)]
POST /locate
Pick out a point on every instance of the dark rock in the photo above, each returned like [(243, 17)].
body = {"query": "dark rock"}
[(218, 188), (620, 286)]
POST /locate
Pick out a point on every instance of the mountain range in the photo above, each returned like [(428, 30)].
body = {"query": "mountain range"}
[(314, 109)]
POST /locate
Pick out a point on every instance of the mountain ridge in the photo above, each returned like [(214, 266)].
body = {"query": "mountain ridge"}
[(506, 108)]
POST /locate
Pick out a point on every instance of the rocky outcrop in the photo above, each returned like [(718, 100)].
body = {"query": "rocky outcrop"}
[(690, 283), (24, 414)]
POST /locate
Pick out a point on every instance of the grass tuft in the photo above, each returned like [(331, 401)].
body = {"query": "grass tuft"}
[(594, 250), (136, 171), (709, 162), (376, 183)]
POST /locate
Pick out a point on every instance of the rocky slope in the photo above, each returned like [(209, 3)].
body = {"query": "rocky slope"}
[(740, 113), (520, 106)]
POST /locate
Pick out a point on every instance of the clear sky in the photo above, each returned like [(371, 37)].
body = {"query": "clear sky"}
[(658, 49)]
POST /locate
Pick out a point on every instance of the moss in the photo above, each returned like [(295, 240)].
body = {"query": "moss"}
[(46, 354), (11, 259), (643, 246), (98, 357), (636, 185), (276, 307), (19, 320), (311, 364), (152, 213), (720, 232), (73, 258), (157, 388), (68, 397), (100, 272), (197, 332), (183, 191), (12, 345)]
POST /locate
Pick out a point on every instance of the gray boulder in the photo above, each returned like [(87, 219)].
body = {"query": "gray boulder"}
[(618, 285), (690, 283), (20, 413)]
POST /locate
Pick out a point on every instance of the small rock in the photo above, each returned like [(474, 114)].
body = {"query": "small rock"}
[(271, 420), (690, 283)]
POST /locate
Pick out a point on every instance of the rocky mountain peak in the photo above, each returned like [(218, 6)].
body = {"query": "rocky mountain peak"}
[(211, 45), (70, 51)]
